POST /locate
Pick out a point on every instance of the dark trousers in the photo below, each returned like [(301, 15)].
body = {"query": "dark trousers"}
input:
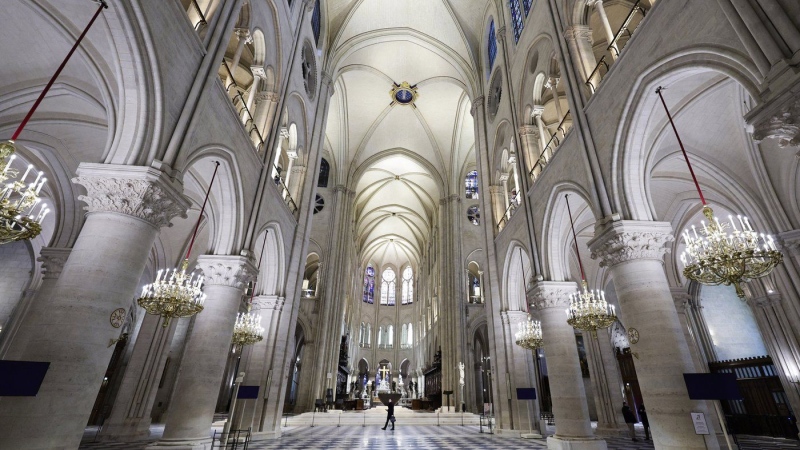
[(388, 418)]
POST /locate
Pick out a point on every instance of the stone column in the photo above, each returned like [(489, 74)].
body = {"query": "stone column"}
[(528, 138), (71, 328), (573, 428), (130, 415), (522, 374), (192, 409), (633, 253), (601, 12), (579, 40), (506, 201), (243, 35), (496, 193), (13, 339), (544, 135), (552, 84), (606, 384), (266, 104)]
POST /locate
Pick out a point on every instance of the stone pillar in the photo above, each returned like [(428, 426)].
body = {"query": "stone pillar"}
[(633, 253), (552, 84), (496, 193), (192, 409), (71, 328), (528, 138), (573, 428), (579, 40), (130, 415), (264, 114), (601, 12), (13, 339), (522, 374), (506, 202), (544, 135), (243, 35), (606, 384)]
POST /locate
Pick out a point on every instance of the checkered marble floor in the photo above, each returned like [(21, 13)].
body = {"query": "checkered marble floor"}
[(417, 437)]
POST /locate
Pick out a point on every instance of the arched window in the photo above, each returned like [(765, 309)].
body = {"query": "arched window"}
[(527, 5), (471, 184), (381, 338), (316, 21), (492, 48), (369, 285), (324, 171), (516, 18), (389, 336), (388, 287), (410, 334), (408, 286), (403, 336), (369, 335)]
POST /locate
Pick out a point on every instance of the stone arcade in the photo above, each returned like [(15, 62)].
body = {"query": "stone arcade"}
[(402, 165)]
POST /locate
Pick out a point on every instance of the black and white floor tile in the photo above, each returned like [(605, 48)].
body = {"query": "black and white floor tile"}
[(418, 437)]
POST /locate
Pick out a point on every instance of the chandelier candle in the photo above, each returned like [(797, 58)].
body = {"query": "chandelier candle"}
[(721, 253)]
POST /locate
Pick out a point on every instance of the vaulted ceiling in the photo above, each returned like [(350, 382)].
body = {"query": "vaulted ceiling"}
[(401, 158)]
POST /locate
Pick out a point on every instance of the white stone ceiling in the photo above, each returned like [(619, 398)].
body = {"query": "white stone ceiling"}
[(400, 159)]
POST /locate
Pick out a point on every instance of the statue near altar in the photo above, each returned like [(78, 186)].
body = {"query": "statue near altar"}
[(383, 385)]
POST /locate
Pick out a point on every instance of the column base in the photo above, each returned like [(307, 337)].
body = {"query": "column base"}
[(124, 432), (569, 443), (181, 444), (265, 435), (621, 430)]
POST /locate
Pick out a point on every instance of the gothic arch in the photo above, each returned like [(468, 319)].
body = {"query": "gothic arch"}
[(556, 239)]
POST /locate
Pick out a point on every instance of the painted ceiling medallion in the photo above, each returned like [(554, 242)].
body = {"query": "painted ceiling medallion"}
[(404, 94)]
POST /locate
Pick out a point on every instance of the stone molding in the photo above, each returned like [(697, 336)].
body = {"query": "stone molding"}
[(551, 294), (765, 301), (513, 317), (578, 32), (232, 271), (476, 103), (680, 297), (53, 260), (266, 96), (529, 130), (143, 192), (628, 240), (789, 240), (268, 302), (784, 126)]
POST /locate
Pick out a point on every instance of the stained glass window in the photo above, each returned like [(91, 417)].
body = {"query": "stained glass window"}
[(408, 286), (388, 287), (316, 21), (492, 47), (474, 215), (471, 183), (369, 285), (516, 18), (527, 5)]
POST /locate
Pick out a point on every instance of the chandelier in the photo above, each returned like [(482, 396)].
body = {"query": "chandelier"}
[(722, 253), (248, 329), (588, 309), (529, 335), (176, 293), (20, 219)]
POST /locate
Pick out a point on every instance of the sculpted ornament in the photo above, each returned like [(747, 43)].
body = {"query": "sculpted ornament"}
[(53, 260), (545, 297), (135, 197), (626, 246), (784, 126), (234, 271)]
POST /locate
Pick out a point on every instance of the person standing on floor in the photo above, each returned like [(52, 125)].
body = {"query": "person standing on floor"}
[(389, 415), (630, 419), (645, 423)]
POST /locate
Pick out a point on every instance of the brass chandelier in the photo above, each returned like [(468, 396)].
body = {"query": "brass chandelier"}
[(529, 335), (722, 253), (176, 293), (588, 309), (19, 217), (248, 329)]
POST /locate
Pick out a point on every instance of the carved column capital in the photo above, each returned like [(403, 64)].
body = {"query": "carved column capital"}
[(790, 240), (680, 297), (628, 240), (529, 130), (513, 317), (143, 192), (244, 34), (53, 260), (232, 271), (784, 125), (551, 294)]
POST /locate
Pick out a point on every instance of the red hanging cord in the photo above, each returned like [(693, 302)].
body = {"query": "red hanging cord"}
[(685, 155), (103, 5), (202, 210), (575, 237)]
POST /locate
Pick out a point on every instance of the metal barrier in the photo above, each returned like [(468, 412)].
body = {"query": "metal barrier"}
[(234, 440)]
